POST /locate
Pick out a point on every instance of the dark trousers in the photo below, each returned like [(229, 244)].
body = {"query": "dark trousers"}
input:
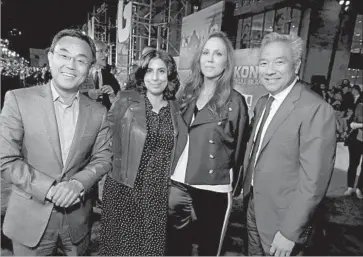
[(355, 153), (254, 241), (196, 216), (56, 235)]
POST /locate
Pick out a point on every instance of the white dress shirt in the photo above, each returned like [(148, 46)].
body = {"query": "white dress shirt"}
[(278, 99), (66, 116)]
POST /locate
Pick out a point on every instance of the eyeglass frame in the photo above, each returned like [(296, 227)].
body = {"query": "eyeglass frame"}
[(103, 51), (66, 57)]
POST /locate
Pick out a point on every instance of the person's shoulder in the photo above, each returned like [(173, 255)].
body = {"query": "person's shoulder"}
[(129, 95), (106, 72), (28, 91), (309, 94), (96, 106), (237, 96), (238, 101), (125, 97), (311, 98)]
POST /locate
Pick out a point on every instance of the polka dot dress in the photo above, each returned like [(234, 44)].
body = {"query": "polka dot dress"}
[(134, 219)]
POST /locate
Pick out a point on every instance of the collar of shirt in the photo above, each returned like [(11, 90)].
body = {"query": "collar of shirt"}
[(280, 97), (56, 95), (94, 71)]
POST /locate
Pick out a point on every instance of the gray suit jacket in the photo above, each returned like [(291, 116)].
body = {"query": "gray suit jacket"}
[(295, 164), (30, 156)]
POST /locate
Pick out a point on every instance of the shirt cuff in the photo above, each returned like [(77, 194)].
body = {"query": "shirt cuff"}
[(49, 194)]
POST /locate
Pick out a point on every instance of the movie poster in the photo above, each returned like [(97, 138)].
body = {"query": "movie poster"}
[(246, 75), (195, 28)]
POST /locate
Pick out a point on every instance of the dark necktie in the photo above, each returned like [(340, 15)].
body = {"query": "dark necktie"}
[(252, 160), (97, 80)]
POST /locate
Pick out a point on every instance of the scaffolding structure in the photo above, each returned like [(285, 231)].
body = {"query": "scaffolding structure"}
[(173, 16), (143, 29), (100, 23), (155, 23)]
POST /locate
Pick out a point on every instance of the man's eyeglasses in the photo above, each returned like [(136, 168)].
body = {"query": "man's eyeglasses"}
[(103, 51), (82, 61)]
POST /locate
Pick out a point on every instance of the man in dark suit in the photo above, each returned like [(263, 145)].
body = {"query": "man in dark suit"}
[(55, 146), (290, 155), (348, 99), (101, 85)]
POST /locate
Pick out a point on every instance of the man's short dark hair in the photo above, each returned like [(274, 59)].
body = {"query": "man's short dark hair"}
[(77, 34)]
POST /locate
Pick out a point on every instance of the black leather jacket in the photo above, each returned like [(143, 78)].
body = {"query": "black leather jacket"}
[(127, 118)]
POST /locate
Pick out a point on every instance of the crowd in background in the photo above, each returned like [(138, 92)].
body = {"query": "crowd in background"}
[(344, 98), (37, 76)]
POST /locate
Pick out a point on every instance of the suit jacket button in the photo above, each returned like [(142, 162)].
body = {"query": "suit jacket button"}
[(211, 171), (131, 108), (211, 156), (219, 123), (211, 141), (230, 109)]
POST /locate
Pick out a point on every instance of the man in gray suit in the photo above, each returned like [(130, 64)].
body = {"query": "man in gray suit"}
[(290, 155), (55, 145)]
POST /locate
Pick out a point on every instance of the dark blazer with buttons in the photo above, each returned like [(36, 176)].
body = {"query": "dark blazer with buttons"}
[(215, 144), (127, 118)]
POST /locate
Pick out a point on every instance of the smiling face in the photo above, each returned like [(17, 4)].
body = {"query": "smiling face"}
[(101, 54), (277, 68), (69, 74), (213, 60), (156, 77)]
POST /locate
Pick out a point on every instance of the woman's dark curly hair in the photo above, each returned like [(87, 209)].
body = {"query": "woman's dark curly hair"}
[(137, 83)]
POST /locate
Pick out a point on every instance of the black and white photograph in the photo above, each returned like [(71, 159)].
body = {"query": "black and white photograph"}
[(181, 127)]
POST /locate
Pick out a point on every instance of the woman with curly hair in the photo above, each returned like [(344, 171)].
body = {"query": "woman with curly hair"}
[(144, 123), (210, 156)]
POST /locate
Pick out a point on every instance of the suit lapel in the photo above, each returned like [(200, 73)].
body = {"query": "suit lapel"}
[(138, 109), (187, 113), (259, 108), (282, 113), (50, 121), (204, 116), (82, 123), (174, 114)]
